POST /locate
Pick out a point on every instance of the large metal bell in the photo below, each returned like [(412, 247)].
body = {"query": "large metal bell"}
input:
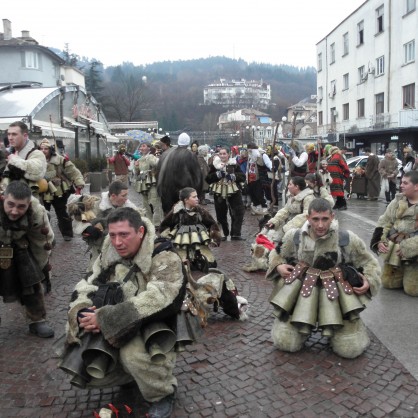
[(73, 364), (204, 236), (350, 304), (99, 357), (329, 314), (286, 297), (392, 257), (185, 238), (159, 340), (305, 313), (194, 236)]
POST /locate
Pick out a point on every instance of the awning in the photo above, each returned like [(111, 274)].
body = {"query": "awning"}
[(53, 130), (111, 138), (73, 122)]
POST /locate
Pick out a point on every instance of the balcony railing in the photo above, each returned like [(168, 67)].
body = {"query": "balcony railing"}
[(380, 122)]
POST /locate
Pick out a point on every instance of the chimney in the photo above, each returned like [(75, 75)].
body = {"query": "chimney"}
[(25, 34), (7, 28)]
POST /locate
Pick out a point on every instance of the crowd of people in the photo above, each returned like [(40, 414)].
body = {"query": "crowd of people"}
[(152, 267)]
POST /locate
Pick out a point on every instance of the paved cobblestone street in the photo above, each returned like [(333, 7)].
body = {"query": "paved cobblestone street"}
[(234, 371)]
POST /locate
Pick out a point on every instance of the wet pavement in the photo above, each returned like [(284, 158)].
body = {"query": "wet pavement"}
[(234, 370)]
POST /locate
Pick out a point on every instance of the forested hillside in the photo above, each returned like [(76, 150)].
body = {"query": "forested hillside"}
[(172, 91)]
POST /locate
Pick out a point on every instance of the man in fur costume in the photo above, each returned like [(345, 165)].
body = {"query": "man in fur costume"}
[(178, 168), (146, 183), (292, 215), (89, 215), (396, 238), (150, 288), (62, 175), (26, 237), (25, 162), (311, 276), (224, 178)]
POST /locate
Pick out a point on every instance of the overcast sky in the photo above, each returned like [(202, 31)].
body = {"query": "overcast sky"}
[(143, 32)]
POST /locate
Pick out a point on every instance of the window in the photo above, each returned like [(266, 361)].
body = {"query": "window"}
[(333, 114), (361, 74), (320, 94), (380, 103), (346, 111), (410, 6), (345, 81), (332, 53), (360, 108), (360, 33), (379, 19), (320, 118), (345, 44), (30, 59), (333, 88), (380, 65), (409, 52), (408, 96), (320, 62)]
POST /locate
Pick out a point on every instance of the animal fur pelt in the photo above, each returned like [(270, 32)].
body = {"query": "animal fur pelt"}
[(177, 169)]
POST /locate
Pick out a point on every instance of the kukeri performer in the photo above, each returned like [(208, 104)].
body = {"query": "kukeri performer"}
[(192, 230), (62, 177), (224, 177), (148, 287), (396, 238), (292, 215), (26, 237), (323, 277), (146, 183)]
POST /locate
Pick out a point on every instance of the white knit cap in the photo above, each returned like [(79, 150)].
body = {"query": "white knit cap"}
[(184, 140)]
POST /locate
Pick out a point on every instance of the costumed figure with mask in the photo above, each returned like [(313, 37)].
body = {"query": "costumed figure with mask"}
[(177, 169), (146, 183), (224, 177), (298, 159), (323, 277)]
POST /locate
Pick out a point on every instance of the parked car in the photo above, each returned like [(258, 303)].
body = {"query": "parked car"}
[(361, 161)]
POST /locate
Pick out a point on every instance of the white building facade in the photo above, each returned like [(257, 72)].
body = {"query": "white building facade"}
[(368, 75), (238, 94)]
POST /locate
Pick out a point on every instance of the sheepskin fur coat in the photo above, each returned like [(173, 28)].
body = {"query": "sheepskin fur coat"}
[(154, 292), (355, 253)]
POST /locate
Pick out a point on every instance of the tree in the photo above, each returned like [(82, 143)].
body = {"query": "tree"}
[(70, 58), (94, 79), (126, 97)]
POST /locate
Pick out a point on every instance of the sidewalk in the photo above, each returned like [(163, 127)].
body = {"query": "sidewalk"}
[(234, 371)]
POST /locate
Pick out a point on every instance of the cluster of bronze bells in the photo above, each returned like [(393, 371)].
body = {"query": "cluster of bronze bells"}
[(224, 188), (145, 181), (189, 235), (52, 190), (96, 358), (316, 298), (392, 256)]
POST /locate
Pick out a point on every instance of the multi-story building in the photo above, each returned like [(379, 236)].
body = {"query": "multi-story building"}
[(38, 88), (238, 94), (367, 77)]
